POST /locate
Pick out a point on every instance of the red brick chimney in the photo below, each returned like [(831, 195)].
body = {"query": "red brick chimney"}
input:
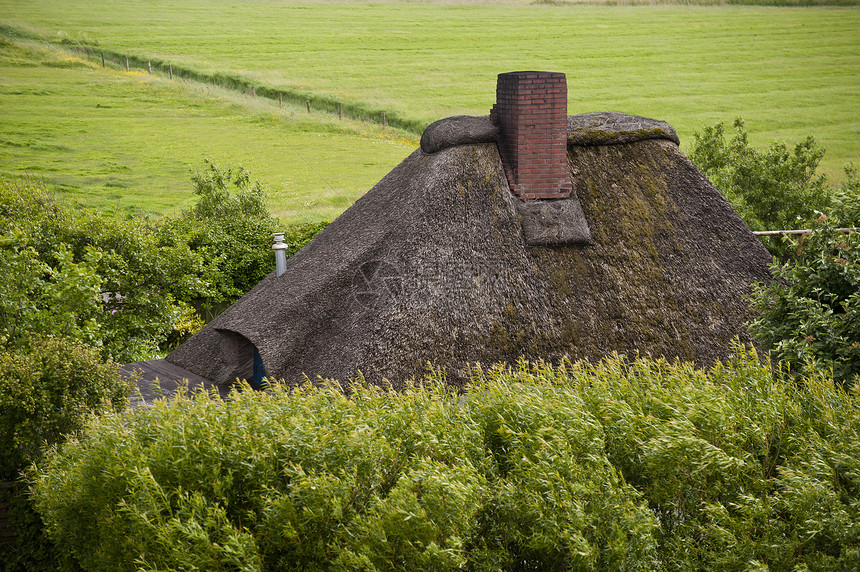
[(531, 112)]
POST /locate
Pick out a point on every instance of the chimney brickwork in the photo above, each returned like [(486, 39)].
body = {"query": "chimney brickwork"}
[(531, 112)]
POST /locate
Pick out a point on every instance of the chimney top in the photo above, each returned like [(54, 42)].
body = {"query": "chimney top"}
[(531, 112)]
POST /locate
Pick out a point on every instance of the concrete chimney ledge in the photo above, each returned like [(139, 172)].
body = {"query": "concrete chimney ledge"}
[(553, 223)]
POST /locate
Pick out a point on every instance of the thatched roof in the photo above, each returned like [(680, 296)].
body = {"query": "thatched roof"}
[(431, 266), (158, 378)]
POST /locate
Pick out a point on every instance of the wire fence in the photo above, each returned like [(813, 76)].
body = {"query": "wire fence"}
[(311, 102)]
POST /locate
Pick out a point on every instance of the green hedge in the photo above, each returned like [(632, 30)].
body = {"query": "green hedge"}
[(47, 390), (624, 465)]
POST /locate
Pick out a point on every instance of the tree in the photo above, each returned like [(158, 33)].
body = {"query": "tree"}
[(122, 285), (232, 229), (845, 210), (48, 390), (773, 189), (36, 298), (132, 286)]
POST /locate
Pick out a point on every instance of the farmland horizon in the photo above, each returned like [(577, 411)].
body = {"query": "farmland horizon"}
[(788, 72)]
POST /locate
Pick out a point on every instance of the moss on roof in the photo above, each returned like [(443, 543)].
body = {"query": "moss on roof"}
[(430, 266)]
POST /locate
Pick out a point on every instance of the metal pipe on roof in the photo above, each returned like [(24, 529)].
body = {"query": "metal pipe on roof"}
[(280, 253), (799, 231)]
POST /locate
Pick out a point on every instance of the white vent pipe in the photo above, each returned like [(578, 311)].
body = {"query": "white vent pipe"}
[(280, 253)]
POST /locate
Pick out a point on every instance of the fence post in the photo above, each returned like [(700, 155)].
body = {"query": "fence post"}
[(103, 59), (126, 63), (308, 103), (340, 111), (383, 119), (170, 70)]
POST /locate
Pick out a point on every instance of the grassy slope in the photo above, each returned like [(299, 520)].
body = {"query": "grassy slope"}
[(789, 72), (110, 138)]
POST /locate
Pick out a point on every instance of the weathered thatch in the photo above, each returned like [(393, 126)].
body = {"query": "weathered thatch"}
[(157, 379), (431, 266)]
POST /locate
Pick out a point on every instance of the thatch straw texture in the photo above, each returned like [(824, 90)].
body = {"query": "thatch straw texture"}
[(430, 266)]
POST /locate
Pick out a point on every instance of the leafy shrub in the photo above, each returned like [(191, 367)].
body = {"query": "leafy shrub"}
[(233, 230), (811, 319), (47, 391), (771, 190), (36, 298), (131, 287), (616, 466), (846, 200), (30, 550), (119, 285), (737, 466)]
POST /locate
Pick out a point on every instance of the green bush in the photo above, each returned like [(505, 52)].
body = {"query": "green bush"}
[(775, 189), (235, 230), (49, 390), (623, 465), (30, 550), (846, 200), (36, 298), (738, 467), (231, 227), (131, 287), (123, 286), (810, 318)]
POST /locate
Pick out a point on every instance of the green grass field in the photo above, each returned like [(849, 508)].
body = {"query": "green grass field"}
[(110, 139), (789, 72)]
